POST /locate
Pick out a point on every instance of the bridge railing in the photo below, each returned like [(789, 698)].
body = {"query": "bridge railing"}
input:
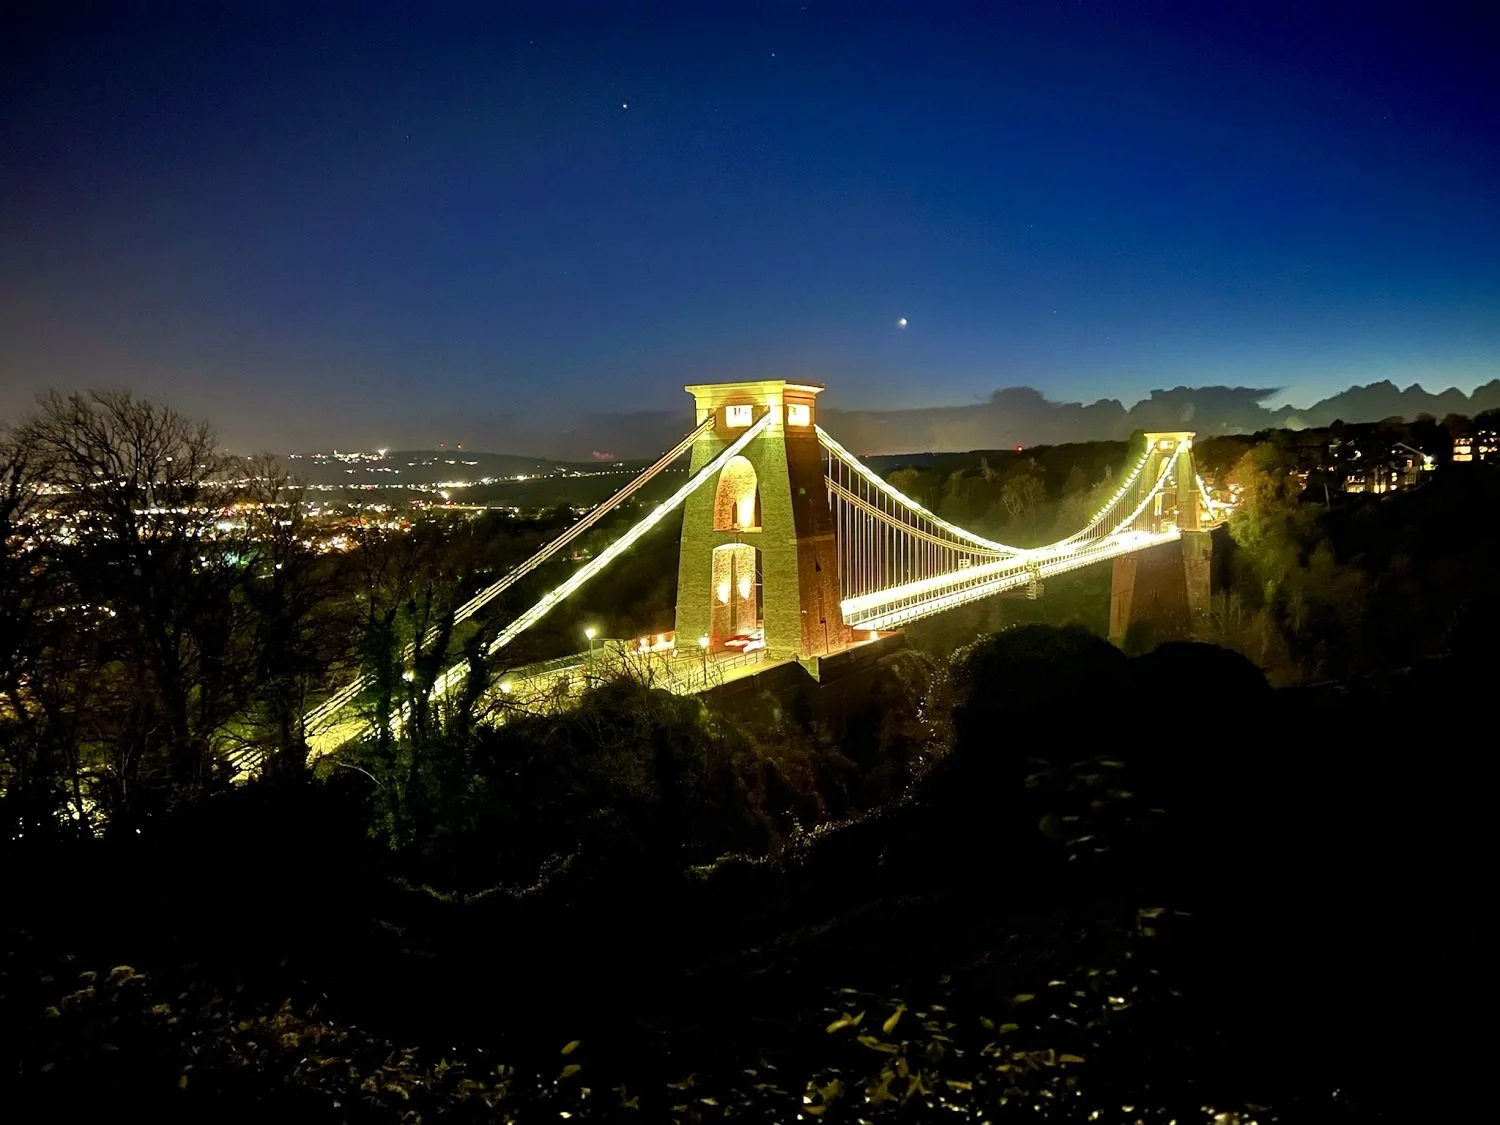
[(710, 673)]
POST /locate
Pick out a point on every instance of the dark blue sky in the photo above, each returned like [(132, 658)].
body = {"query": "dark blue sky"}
[(398, 224)]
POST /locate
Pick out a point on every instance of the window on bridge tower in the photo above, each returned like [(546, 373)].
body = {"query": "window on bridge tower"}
[(737, 502), (798, 414), (737, 416)]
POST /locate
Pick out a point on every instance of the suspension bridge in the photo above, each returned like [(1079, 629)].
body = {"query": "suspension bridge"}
[(787, 538)]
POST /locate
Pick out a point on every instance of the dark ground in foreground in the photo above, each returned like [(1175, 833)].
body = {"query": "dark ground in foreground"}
[(1299, 928)]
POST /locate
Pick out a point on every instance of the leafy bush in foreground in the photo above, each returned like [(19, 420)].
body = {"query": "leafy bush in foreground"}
[(1095, 1043)]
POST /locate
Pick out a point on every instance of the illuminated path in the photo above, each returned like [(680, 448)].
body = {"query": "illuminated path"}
[(782, 522)]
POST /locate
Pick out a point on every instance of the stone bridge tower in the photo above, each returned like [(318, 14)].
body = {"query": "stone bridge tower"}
[(758, 544)]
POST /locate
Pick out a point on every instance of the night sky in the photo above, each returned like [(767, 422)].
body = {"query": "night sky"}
[(383, 224)]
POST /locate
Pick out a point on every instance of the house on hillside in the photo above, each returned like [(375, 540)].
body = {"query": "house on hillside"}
[(1367, 465), (1481, 445)]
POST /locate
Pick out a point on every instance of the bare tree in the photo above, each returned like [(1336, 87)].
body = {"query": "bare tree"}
[(1022, 493), (20, 503), (28, 780), (141, 489), (51, 650)]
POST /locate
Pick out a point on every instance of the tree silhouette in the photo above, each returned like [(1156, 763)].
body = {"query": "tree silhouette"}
[(140, 489)]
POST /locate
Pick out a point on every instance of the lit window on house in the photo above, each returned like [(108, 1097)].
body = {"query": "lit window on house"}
[(735, 416), (798, 414)]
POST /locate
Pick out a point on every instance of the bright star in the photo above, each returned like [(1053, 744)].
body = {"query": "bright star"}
[(901, 323)]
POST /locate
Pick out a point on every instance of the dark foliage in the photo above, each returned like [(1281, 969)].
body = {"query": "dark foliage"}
[(1013, 928)]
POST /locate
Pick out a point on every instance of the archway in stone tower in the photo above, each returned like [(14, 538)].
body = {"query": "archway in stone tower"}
[(734, 593), (737, 500)]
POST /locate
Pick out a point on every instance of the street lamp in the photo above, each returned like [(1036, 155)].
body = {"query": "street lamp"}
[(703, 648), (588, 671)]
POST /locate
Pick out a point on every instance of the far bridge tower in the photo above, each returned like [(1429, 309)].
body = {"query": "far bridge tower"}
[(1165, 587)]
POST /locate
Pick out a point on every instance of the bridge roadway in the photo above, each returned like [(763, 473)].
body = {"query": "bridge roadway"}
[(537, 687), (899, 605)]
